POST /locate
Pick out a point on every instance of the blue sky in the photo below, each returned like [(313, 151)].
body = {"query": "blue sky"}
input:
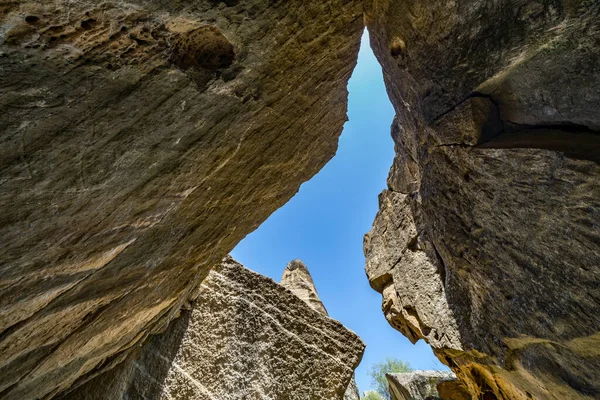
[(324, 224)]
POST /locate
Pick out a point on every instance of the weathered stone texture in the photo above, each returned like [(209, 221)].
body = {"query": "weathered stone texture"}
[(352, 392), (452, 389), (487, 243), (246, 337), (298, 280), (416, 385), (140, 141)]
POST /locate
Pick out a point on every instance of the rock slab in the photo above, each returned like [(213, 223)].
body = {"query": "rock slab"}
[(246, 337), (417, 385), (487, 241), (140, 141)]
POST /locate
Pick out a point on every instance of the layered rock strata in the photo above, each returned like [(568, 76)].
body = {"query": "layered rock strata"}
[(246, 337), (487, 242), (298, 280), (418, 385), (140, 141)]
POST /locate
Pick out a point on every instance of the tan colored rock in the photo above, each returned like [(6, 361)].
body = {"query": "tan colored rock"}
[(486, 244), (246, 337), (298, 280), (452, 389), (404, 268), (140, 141)]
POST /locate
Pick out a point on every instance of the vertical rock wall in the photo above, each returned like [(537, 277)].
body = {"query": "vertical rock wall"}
[(140, 141), (487, 242)]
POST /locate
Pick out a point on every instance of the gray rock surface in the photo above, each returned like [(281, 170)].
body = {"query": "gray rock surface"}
[(487, 243), (246, 337), (352, 392), (298, 280), (140, 141), (416, 385)]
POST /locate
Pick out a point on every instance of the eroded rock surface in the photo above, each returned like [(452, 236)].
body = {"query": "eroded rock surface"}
[(298, 280), (140, 141), (487, 242), (416, 385), (246, 337)]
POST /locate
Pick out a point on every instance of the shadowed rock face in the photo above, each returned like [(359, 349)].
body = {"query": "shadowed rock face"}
[(298, 280), (140, 141), (487, 243), (246, 337)]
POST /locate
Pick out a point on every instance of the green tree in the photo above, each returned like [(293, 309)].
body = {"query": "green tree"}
[(372, 396), (378, 371)]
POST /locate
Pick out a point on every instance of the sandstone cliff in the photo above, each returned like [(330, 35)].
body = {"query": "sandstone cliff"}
[(246, 337), (487, 243), (140, 141), (298, 280)]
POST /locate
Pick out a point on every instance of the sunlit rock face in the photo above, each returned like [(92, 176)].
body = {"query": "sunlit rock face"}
[(418, 385), (298, 280), (487, 242), (141, 140), (246, 337)]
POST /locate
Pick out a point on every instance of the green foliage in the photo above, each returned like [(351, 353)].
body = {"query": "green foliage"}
[(372, 396), (378, 371)]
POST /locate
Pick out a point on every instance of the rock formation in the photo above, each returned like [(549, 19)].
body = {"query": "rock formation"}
[(417, 385), (141, 141), (298, 280), (352, 392), (487, 242), (452, 389), (246, 337)]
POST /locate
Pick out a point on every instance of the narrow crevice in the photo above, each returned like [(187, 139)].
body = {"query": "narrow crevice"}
[(575, 140), (572, 140)]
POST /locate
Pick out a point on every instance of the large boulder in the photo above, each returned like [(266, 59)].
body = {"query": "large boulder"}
[(141, 141), (416, 385), (246, 337), (487, 241)]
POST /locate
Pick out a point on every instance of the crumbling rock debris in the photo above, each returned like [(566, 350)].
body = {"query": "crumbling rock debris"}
[(245, 337), (487, 243)]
